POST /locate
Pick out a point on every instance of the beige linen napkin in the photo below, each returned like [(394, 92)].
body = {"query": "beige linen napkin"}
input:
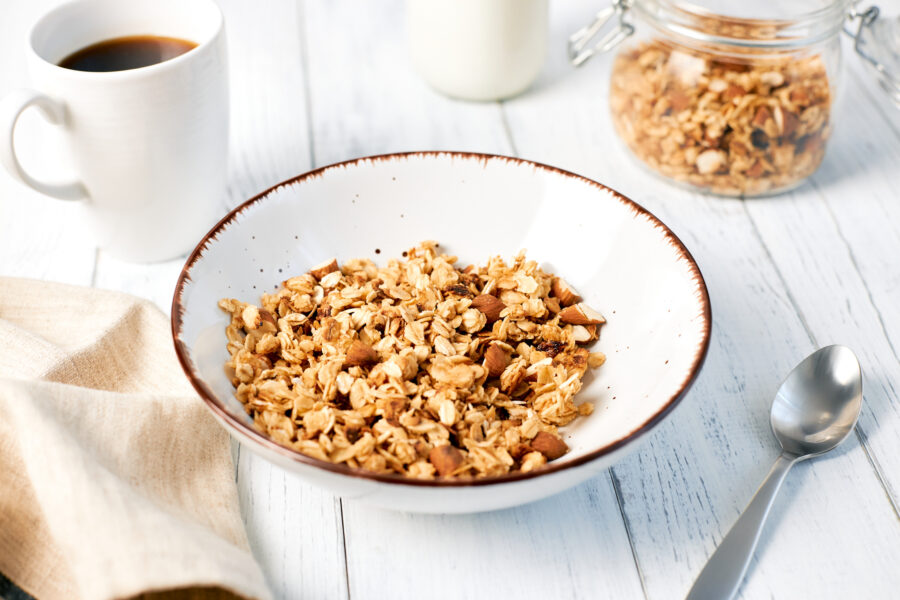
[(115, 482)]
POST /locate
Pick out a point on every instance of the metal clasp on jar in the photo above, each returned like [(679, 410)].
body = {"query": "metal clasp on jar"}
[(579, 53), (872, 40)]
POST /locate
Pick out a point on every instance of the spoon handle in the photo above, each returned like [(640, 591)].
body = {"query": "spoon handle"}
[(725, 569)]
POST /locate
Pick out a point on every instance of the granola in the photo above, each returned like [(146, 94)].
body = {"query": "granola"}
[(737, 127), (420, 367)]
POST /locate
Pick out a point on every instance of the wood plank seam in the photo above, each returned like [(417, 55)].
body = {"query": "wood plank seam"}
[(853, 260), (506, 128), (878, 103), (864, 442), (614, 479), (775, 267), (237, 458), (876, 466), (340, 502), (307, 97), (310, 140), (94, 270), (858, 430), (241, 165)]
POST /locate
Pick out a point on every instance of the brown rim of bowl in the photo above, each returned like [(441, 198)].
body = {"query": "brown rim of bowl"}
[(248, 431)]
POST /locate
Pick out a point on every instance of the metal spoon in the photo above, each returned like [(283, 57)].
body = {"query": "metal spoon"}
[(814, 410)]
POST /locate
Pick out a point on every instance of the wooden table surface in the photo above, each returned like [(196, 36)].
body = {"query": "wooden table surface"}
[(315, 82)]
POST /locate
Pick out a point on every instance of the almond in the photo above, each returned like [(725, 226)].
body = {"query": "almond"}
[(565, 292), (495, 360), (520, 450), (320, 271), (446, 459), (552, 304), (582, 334), (799, 96), (360, 354), (738, 149), (267, 316), (549, 445), (489, 305), (393, 409), (762, 115), (756, 170), (679, 101), (734, 91), (786, 121), (267, 322), (581, 314), (330, 280)]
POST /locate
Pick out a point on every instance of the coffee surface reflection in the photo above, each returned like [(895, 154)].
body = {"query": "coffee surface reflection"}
[(125, 53)]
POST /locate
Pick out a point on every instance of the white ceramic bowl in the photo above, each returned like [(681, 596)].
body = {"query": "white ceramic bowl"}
[(622, 259)]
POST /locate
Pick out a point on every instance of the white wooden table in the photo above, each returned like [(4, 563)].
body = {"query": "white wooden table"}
[(318, 81)]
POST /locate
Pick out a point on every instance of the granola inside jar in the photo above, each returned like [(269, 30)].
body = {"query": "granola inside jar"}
[(720, 101)]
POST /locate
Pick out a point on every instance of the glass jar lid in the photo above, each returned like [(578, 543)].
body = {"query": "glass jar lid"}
[(769, 25), (758, 9), (763, 24)]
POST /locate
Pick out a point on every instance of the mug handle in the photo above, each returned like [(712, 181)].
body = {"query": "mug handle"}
[(11, 108)]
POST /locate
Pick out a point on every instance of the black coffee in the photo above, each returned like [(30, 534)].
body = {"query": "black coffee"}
[(124, 53)]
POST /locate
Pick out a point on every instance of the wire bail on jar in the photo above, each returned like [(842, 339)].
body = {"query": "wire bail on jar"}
[(889, 80), (579, 53)]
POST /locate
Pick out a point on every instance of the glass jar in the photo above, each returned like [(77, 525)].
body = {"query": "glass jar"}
[(719, 98)]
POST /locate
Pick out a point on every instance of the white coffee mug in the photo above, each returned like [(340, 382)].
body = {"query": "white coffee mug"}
[(149, 145), (478, 49)]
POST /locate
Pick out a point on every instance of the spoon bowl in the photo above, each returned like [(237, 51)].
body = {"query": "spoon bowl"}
[(815, 409), (818, 404)]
